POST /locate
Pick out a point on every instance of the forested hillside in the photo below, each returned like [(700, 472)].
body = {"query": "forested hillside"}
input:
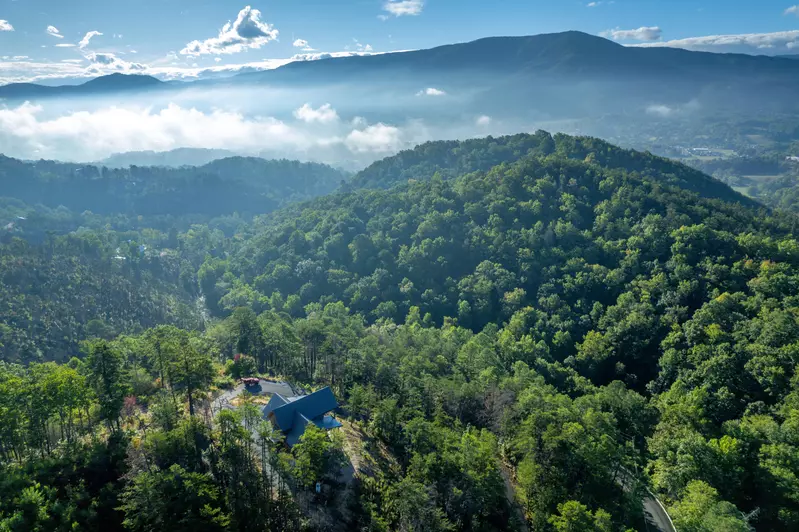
[(523, 333), (235, 184)]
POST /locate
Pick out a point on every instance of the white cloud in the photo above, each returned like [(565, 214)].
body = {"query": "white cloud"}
[(97, 134), (103, 62), (430, 91), (247, 31), (302, 43), (65, 45), (793, 10), (399, 8), (6, 25), (644, 33), (743, 42), (662, 111), (29, 131), (483, 120), (52, 30), (324, 115), (75, 61), (378, 138), (87, 38), (166, 68)]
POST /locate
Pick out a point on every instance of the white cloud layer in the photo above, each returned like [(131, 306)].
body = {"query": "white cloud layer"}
[(378, 138), (6, 25), (87, 39), (399, 8), (52, 30), (644, 33), (431, 91), (247, 31), (784, 40), (14, 72), (29, 131), (324, 115)]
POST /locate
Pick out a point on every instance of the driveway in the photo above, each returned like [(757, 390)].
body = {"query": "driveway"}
[(262, 388)]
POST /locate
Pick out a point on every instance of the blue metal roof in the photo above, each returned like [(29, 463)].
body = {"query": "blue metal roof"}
[(296, 432), (310, 407), (327, 422), (276, 401)]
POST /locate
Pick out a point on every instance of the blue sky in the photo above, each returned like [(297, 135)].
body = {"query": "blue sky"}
[(142, 35)]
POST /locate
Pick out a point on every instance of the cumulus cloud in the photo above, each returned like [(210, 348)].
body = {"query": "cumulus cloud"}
[(324, 115), (483, 120), (377, 138), (744, 42), (643, 33), (6, 25), (793, 10), (106, 61), (430, 91), (52, 30), (247, 31), (662, 111), (87, 39), (399, 8)]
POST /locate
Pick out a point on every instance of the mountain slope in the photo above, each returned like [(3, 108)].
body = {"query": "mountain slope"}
[(423, 244), (103, 84), (234, 184), (454, 158), (525, 69), (567, 53), (174, 158)]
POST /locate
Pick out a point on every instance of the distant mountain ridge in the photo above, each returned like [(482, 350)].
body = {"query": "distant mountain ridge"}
[(172, 158), (498, 62), (224, 186), (111, 83)]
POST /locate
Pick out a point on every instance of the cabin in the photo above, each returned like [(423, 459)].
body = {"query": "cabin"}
[(292, 414)]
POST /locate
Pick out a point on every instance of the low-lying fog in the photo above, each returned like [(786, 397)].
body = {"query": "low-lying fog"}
[(342, 126)]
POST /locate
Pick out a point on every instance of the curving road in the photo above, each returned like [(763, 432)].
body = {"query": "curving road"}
[(654, 511)]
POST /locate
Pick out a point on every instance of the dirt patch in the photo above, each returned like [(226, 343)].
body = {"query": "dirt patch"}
[(368, 456)]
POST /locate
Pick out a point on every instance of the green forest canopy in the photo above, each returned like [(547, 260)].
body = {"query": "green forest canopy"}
[(572, 308)]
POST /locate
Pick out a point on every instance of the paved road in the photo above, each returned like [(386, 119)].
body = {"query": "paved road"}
[(264, 387), (656, 515)]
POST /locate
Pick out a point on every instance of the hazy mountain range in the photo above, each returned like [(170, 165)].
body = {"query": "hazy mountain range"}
[(563, 71)]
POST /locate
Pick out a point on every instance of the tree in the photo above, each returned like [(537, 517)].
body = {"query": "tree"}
[(412, 508), (315, 456), (701, 510), (106, 377), (173, 499), (575, 517)]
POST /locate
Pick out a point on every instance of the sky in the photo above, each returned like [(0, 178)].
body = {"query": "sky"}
[(52, 40)]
